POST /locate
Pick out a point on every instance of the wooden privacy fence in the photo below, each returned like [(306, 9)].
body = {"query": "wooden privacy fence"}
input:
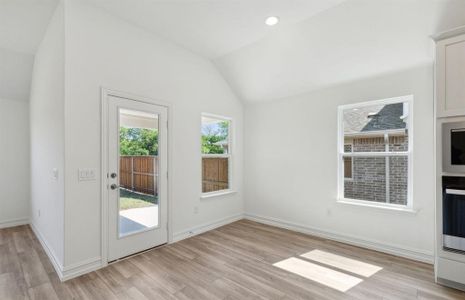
[(139, 174), (215, 174)]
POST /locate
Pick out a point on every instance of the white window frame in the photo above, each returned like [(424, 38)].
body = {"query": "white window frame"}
[(229, 155), (409, 154), (352, 162)]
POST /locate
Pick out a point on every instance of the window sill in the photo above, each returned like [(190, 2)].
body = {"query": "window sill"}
[(381, 206), (217, 194)]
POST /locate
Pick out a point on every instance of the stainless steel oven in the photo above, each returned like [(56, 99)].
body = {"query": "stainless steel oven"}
[(453, 210)]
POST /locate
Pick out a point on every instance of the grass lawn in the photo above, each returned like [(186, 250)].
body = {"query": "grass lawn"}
[(130, 199)]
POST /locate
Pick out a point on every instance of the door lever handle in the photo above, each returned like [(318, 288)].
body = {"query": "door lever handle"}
[(455, 192), (114, 186)]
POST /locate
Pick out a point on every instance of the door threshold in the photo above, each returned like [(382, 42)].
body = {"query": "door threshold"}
[(135, 254)]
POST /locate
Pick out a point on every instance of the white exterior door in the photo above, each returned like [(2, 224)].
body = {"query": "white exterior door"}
[(136, 176)]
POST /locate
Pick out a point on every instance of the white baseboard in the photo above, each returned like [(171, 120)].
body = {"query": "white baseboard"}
[(14, 222), (81, 268), (78, 269), (414, 254), (49, 251), (178, 236), (71, 271)]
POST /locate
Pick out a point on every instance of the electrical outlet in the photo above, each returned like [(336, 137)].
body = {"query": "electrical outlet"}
[(38, 213), (196, 209)]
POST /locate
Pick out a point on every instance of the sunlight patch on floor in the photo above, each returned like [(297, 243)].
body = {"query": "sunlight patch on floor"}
[(343, 263), (329, 277)]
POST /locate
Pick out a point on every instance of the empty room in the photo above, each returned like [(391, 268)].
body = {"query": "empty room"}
[(232, 149)]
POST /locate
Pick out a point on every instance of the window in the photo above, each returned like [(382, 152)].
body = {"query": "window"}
[(375, 148), (216, 154), (348, 166)]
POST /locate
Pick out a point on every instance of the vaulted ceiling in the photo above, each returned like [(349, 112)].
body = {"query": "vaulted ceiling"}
[(22, 26), (318, 43), (355, 40), (213, 28)]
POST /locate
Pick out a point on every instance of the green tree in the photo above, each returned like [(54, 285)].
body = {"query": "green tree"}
[(138, 141), (212, 134)]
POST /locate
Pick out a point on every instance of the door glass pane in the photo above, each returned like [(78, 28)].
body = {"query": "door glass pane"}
[(138, 171)]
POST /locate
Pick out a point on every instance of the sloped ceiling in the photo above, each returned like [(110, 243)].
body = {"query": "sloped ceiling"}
[(212, 28), (318, 43), (15, 75), (22, 26), (355, 40)]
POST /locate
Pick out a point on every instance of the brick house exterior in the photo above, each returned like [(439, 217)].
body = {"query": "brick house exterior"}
[(365, 177)]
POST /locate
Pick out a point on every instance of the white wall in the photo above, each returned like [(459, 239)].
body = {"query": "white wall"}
[(14, 162), (105, 51), (47, 137), (15, 74), (291, 164)]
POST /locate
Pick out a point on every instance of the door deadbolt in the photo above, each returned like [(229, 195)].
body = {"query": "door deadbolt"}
[(113, 175)]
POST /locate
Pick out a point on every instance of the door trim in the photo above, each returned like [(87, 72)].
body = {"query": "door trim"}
[(105, 94)]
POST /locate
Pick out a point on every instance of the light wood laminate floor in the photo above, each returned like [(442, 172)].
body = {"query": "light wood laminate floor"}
[(232, 262)]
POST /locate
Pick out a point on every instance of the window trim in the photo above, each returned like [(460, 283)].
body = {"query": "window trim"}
[(409, 153), (229, 155), (351, 162)]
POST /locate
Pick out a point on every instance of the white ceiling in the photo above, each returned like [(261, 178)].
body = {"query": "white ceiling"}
[(318, 43), (355, 40), (212, 28), (23, 23), (22, 26)]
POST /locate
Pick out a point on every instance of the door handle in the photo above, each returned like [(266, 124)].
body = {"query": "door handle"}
[(114, 186), (455, 192)]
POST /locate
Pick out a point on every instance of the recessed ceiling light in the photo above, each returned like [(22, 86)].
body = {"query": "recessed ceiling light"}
[(271, 21)]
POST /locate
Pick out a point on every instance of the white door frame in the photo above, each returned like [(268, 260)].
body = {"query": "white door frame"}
[(105, 94)]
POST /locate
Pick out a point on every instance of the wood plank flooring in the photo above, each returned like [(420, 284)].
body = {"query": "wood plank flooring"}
[(231, 262)]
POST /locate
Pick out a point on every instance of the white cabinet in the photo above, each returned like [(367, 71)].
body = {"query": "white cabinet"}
[(450, 76), (451, 273), (450, 107)]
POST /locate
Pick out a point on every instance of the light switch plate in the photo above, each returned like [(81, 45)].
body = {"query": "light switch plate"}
[(86, 174), (55, 174)]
